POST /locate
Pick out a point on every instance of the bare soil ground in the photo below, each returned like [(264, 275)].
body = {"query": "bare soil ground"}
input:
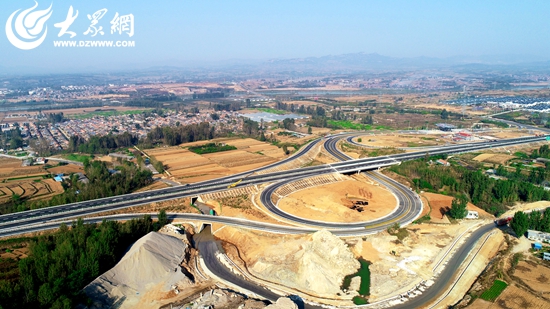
[(333, 202), (441, 204), (513, 297), (510, 133), (66, 169), (540, 205), (11, 168), (537, 277), (186, 166), (493, 158), (402, 140)]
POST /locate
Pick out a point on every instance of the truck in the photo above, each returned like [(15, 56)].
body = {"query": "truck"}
[(503, 221), (147, 161)]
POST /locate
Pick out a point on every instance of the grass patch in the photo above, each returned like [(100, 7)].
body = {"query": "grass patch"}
[(364, 274), (211, 148), (396, 230), (423, 219), (77, 157), (494, 291), (348, 125)]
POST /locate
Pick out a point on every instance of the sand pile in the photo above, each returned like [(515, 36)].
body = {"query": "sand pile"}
[(151, 263), (283, 303), (318, 266)]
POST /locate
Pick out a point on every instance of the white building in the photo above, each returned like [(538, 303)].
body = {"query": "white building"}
[(538, 236)]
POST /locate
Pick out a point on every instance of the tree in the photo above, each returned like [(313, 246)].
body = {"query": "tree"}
[(359, 140), (520, 223), (162, 218), (458, 207), (262, 137), (309, 130), (444, 114)]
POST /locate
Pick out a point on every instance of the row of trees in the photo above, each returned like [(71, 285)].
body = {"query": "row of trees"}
[(59, 265), (309, 110), (102, 182), (535, 220), (102, 144), (490, 194)]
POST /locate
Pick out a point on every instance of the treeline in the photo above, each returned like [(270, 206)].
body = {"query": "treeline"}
[(233, 106), (535, 220), (490, 194), (55, 117), (309, 110), (102, 182), (101, 144), (172, 136), (11, 139), (61, 264), (155, 101), (169, 136)]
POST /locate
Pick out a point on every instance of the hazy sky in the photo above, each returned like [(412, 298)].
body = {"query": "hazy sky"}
[(185, 32)]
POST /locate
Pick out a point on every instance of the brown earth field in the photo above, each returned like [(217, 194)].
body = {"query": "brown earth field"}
[(494, 158), (510, 133), (441, 204), (75, 111), (402, 140), (537, 277), (11, 168), (331, 202), (30, 189), (66, 169), (187, 167), (512, 298)]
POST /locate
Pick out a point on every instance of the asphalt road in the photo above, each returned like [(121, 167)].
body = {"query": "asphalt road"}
[(446, 277), (208, 248), (128, 200)]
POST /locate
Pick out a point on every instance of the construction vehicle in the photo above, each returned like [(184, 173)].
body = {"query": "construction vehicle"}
[(503, 221), (233, 185)]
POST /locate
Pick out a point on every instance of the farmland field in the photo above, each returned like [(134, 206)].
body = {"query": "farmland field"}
[(30, 189), (494, 291), (535, 276), (187, 167)]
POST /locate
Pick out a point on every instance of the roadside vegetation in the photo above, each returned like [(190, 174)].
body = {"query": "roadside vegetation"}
[(102, 182), (60, 264), (492, 195)]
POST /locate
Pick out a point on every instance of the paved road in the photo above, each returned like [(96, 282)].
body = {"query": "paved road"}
[(447, 276), (128, 200), (208, 248)]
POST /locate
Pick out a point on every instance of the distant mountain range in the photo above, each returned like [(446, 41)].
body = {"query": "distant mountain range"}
[(332, 64)]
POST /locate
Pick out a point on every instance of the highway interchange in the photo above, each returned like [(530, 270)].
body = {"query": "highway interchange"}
[(409, 205)]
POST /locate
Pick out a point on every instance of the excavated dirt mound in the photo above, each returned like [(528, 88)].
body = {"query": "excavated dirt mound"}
[(153, 262)]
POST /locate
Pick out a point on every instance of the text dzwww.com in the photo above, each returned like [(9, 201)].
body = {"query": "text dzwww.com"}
[(94, 43)]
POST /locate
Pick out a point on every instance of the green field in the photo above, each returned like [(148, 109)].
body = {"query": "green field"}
[(494, 291), (349, 125), (77, 157), (105, 114), (211, 148)]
